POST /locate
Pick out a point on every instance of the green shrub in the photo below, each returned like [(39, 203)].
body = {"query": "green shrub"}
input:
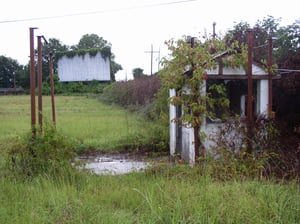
[(47, 153), (133, 93)]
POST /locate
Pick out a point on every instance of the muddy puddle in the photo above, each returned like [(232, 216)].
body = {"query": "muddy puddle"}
[(112, 164)]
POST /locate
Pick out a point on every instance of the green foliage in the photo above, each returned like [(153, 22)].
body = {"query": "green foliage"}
[(10, 72), (186, 72), (137, 73), (89, 41), (49, 153), (217, 101), (69, 88), (105, 52), (286, 38), (133, 93)]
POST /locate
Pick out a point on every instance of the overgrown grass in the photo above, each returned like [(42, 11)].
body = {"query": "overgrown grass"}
[(174, 195), (89, 123), (162, 194)]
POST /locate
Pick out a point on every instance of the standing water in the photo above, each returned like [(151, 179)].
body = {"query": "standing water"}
[(112, 164)]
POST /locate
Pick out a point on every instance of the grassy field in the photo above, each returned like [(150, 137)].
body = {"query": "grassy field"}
[(89, 123), (163, 194), (172, 196)]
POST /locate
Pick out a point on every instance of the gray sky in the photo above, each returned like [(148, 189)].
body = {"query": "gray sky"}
[(131, 26)]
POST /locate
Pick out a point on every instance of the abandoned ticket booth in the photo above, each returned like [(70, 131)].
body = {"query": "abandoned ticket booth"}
[(236, 82)]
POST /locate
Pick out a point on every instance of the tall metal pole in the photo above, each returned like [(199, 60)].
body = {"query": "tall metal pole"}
[(52, 87), (32, 81), (40, 104), (197, 127), (250, 93), (270, 63), (250, 81)]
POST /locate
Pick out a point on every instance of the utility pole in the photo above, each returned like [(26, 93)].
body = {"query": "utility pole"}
[(151, 52), (214, 30)]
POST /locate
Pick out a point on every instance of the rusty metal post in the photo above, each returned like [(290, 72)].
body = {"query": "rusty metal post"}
[(32, 82), (40, 102), (270, 71), (196, 127), (250, 93), (250, 81), (52, 87)]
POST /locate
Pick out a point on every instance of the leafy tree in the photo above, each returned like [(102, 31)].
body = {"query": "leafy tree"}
[(23, 78), (286, 50), (185, 71), (10, 71), (114, 68), (261, 34), (137, 73), (286, 39), (287, 43), (54, 46), (88, 41)]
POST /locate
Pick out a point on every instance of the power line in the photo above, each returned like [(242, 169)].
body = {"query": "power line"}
[(97, 12)]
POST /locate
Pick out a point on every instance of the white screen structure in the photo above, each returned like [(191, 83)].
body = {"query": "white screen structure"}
[(84, 68)]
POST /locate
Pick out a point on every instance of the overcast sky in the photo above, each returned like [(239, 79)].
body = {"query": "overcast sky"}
[(131, 26)]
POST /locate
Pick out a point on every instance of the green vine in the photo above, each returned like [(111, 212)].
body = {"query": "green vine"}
[(186, 71), (105, 53)]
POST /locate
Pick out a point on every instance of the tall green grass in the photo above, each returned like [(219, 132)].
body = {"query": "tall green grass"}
[(174, 197), (162, 194), (85, 120)]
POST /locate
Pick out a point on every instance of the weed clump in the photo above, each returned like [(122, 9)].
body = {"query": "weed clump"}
[(230, 157), (48, 153)]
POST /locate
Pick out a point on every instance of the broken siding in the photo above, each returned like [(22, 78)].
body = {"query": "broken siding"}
[(84, 68)]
